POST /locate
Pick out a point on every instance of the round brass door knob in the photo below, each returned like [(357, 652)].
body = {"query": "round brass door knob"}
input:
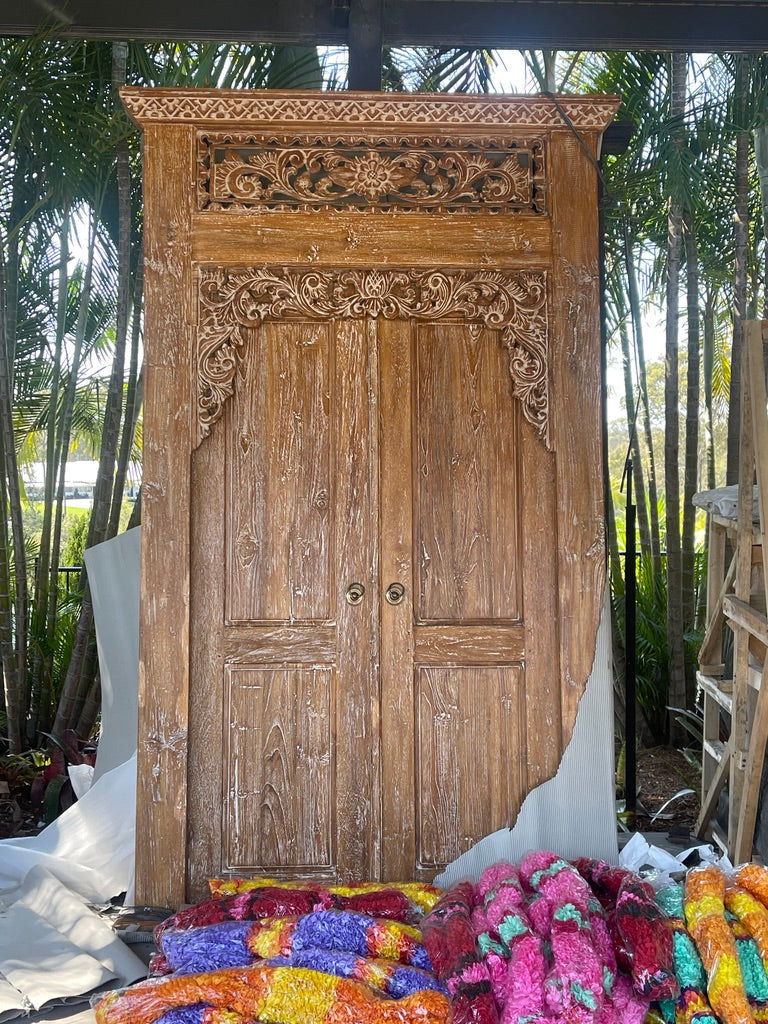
[(395, 593), (355, 593)]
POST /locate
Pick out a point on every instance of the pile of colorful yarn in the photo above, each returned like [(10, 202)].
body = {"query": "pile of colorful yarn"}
[(720, 924), (546, 940)]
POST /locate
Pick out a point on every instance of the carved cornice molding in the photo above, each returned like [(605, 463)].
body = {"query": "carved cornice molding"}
[(238, 170), (233, 299), (276, 109)]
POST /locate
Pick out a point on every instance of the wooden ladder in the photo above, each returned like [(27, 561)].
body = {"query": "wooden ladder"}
[(731, 601)]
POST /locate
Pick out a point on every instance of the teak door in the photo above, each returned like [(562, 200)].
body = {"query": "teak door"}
[(373, 554)]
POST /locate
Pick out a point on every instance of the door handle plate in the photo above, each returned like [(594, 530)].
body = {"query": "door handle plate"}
[(394, 593)]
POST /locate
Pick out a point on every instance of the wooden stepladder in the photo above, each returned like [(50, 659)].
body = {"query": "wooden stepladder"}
[(736, 597)]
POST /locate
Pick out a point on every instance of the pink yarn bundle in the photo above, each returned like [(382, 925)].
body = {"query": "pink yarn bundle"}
[(513, 951), (575, 985)]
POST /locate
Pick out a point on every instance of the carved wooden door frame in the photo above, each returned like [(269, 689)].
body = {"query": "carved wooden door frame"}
[(238, 179)]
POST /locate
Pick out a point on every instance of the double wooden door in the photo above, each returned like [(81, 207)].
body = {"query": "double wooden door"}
[(373, 543), (367, 494)]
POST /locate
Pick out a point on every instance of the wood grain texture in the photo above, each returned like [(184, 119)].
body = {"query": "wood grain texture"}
[(280, 815), (540, 525), (207, 730), (271, 645), (466, 501), (280, 541), (484, 644), (576, 426), (371, 239), (398, 763), (358, 725), (742, 587), (468, 785), (161, 795)]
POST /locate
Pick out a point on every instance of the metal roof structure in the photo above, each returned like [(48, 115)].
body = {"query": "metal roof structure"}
[(366, 25)]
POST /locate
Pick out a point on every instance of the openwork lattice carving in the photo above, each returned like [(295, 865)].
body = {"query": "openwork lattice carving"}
[(237, 170), (237, 298)]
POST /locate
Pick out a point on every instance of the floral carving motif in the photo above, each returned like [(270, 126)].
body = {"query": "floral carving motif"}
[(239, 170), (235, 299)]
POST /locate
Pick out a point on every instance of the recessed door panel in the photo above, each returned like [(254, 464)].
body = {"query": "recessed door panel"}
[(469, 738), (280, 775), (280, 543), (466, 496)]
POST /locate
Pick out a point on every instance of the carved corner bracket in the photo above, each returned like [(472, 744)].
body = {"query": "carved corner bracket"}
[(234, 299)]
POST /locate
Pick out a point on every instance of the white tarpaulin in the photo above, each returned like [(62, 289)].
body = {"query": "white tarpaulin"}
[(53, 946), (113, 575)]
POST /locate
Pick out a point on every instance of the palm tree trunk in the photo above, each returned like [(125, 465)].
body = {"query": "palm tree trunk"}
[(81, 665), (133, 399), (677, 688), (48, 555), (741, 240), (642, 381), (16, 687), (708, 366), (630, 401), (691, 466), (70, 687)]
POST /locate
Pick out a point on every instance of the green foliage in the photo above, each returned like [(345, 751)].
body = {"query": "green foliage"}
[(74, 546)]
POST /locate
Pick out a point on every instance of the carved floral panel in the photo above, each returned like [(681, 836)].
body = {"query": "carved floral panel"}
[(233, 299), (237, 170)]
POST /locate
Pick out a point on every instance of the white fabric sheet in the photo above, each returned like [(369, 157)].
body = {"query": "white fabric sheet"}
[(90, 847), (573, 814), (53, 946), (113, 575)]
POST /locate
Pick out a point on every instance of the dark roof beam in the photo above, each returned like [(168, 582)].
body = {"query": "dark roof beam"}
[(505, 24), (365, 41)]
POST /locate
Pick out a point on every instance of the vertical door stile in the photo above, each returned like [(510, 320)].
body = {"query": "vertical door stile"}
[(576, 427), (208, 733), (396, 545), (358, 805), (164, 681), (539, 523)]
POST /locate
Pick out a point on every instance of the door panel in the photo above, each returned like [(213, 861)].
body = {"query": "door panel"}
[(470, 729), (281, 816), (280, 547), (466, 507), (453, 687), (289, 496)]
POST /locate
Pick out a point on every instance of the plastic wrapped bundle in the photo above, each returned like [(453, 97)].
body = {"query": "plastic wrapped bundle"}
[(641, 931), (705, 918), (575, 985), (692, 1005), (512, 951), (238, 943), (752, 969), (396, 980), (752, 914), (268, 995), (449, 939), (421, 894), (280, 901)]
